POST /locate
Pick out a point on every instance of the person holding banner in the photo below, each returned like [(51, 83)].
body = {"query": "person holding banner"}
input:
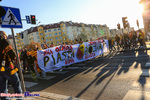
[(8, 72), (52, 44), (38, 71)]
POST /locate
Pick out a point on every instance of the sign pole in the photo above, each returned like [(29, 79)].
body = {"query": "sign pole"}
[(18, 61)]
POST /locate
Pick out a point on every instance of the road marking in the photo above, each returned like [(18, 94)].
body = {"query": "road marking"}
[(143, 79), (147, 64), (29, 84), (137, 95), (145, 72), (131, 56), (59, 72), (103, 68), (45, 78), (72, 68), (79, 64)]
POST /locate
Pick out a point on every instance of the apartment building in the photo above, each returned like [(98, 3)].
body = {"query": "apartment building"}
[(61, 32), (19, 41)]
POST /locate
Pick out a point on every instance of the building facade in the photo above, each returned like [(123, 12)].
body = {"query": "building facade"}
[(146, 15), (19, 41), (61, 32)]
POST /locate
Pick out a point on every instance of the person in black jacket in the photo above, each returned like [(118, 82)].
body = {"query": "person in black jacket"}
[(24, 59), (8, 72), (117, 38), (30, 61)]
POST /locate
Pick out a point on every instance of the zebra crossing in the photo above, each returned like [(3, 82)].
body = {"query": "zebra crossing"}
[(48, 77), (142, 82)]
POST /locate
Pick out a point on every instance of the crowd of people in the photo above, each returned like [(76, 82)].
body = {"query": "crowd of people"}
[(29, 59), (127, 41), (29, 56)]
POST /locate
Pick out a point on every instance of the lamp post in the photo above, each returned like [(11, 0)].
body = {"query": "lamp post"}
[(38, 23)]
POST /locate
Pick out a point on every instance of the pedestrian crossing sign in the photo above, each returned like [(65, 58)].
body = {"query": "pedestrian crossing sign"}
[(12, 18)]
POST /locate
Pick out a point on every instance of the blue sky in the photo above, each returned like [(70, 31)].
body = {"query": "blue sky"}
[(108, 12)]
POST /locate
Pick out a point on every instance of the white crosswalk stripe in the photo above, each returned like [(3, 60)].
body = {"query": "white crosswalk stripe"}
[(137, 95), (147, 64), (45, 78), (48, 77), (59, 72), (30, 84), (141, 81)]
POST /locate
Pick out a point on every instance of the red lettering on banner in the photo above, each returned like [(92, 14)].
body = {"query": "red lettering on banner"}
[(92, 43), (99, 41), (61, 48), (69, 61), (48, 52), (90, 55)]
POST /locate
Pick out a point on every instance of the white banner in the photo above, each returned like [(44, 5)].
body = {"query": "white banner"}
[(56, 57)]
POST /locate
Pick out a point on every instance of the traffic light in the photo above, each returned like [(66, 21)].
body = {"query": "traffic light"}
[(118, 26), (137, 22), (125, 22), (33, 19)]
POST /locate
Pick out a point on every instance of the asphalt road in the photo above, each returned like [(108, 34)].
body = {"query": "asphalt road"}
[(103, 78)]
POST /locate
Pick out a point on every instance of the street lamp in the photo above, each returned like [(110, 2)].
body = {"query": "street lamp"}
[(38, 23)]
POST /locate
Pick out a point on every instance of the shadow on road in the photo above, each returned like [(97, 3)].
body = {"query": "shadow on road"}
[(108, 66), (123, 64)]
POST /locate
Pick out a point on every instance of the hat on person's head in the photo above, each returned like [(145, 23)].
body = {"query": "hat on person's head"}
[(3, 34), (28, 53)]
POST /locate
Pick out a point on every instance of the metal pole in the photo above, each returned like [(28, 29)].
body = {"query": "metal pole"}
[(19, 66)]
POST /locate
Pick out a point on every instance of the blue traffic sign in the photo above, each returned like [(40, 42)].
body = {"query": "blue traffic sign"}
[(28, 19), (12, 18)]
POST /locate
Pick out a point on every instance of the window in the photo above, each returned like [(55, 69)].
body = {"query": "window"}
[(64, 34), (60, 37), (58, 29), (59, 33), (40, 29), (49, 30), (46, 39), (46, 35), (45, 31), (41, 34), (56, 38), (64, 38), (42, 38), (37, 33), (55, 33), (63, 30), (38, 41), (50, 34), (55, 29), (51, 39), (67, 31), (57, 42), (38, 37)]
